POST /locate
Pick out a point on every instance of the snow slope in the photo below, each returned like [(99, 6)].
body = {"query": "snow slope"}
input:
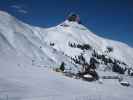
[(26, 40), (79, 34), (20, 80), (26, 55), (34, 42)]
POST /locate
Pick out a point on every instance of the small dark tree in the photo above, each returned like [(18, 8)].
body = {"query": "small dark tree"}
[(62, 66), (117, 68), (86, 46), (130, 72), (93, 61), (52, 44), (109, 49)]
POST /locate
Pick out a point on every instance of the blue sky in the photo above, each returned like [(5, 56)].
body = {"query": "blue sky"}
[(112, 19)]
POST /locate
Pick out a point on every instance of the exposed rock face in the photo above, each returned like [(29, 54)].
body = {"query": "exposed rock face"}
[(74, 18)]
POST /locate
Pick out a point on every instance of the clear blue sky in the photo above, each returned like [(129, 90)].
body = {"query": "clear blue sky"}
[(108, 18)]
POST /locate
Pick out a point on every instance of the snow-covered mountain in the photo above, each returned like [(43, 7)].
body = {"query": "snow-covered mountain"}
[(51, 46), (24, 48), (26, 40)]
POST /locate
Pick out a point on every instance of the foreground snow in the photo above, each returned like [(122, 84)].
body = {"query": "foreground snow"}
[(19, 80)]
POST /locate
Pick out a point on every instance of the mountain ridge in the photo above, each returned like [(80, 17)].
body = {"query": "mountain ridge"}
[(36, 42), (34, 63)]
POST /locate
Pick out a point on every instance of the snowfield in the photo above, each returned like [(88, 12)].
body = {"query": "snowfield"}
[(28, 55), (20, 80)]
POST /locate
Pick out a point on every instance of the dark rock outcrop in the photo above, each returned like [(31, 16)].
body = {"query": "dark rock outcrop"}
[(74, 18)]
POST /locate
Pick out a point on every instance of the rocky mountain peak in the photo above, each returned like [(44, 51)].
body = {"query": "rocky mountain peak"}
[(73, 17)]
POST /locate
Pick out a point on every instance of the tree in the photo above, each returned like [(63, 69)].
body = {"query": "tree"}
[(62, 66), (52, 44), (117, 68), (109, 49)]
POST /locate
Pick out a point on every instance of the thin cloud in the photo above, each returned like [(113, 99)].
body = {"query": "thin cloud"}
[(19, 9), (15, 6), (23, 11)]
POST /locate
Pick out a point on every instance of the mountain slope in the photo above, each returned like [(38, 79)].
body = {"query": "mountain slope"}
[(52, 46), (20, 80), (77, 33), (23, 39), (27, 53)]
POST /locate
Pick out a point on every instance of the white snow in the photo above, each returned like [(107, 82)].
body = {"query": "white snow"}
[(20, 80), (25, 58), (77, 33), (87, 76)]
